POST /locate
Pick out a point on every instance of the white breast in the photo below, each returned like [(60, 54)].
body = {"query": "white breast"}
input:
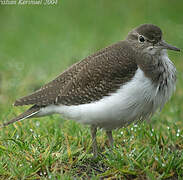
[(135, 100)]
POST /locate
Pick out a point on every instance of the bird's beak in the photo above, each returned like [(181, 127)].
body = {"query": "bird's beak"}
[(165, 45)]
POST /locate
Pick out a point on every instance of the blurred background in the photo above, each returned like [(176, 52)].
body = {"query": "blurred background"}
[(37, 42)]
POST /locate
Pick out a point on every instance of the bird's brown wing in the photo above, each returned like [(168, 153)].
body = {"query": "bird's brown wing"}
[(27, 114), (88, 80)]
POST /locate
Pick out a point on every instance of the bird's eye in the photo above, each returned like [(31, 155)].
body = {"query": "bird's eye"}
[(141, 39)]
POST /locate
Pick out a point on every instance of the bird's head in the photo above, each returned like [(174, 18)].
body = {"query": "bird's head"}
[(148, 38)]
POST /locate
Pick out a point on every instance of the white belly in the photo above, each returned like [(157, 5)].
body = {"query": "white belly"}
[(135, 100)]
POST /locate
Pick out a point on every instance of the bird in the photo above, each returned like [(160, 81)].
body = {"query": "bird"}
[(121, 84)]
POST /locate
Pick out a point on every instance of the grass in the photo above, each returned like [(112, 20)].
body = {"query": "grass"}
[(39, 42)]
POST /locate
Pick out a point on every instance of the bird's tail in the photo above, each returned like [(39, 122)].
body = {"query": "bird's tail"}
[(29, 113)]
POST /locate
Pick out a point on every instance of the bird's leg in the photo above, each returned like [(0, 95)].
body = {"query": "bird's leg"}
[(94, 140), (109, 135)]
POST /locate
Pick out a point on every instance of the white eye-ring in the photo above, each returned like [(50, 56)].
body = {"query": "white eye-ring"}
[(141, 39)]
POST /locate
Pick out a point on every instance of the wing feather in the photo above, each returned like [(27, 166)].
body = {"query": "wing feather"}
[(89, 80)]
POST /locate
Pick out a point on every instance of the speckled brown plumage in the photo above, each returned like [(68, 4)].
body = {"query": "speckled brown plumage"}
[(88, 80)]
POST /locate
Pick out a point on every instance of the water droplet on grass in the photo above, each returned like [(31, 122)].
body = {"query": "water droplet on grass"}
[(133, 150), (37, 123)]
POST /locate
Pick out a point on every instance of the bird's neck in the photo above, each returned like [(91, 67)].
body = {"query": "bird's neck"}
[(158, 67)]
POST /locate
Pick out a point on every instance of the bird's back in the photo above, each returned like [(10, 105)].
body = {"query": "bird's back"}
[(89, 80)]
